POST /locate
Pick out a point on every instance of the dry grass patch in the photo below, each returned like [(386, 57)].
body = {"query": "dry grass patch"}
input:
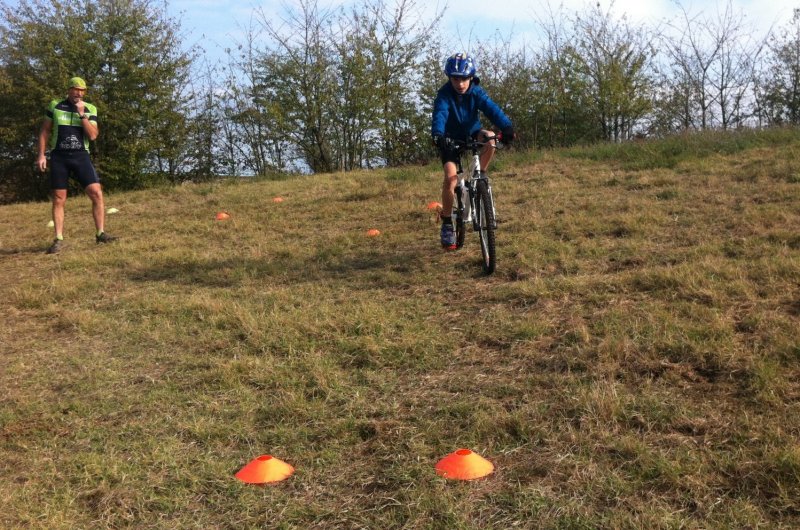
[(632, 363)]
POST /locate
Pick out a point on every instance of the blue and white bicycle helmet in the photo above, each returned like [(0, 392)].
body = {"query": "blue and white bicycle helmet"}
[(460, 65)]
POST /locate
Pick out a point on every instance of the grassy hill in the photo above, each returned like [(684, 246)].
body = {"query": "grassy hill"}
[(633, 363)]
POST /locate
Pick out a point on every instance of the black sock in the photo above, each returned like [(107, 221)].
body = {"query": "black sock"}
[(447, 220)]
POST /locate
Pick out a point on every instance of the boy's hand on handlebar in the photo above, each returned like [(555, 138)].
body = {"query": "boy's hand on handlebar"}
[(508, 135), (443, 142)]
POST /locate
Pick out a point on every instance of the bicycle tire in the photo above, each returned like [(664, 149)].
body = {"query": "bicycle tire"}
[(459, 220), (484, 212)]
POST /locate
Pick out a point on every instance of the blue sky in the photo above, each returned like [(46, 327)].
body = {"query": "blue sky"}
[(215, 25)]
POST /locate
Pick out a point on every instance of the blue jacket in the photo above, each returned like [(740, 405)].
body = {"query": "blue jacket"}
[(456, 115)]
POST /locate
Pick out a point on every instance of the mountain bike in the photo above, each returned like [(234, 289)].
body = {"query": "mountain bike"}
[(474, 202)]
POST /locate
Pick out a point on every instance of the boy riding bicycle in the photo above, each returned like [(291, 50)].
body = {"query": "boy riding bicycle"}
[(455, 116)]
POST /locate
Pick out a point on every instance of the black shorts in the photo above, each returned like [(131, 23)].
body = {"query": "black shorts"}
[(75, 164)]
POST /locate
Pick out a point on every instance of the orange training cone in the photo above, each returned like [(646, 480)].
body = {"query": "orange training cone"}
[(277, 199), (221, 216), (265, 468), (464, 465), (434, 205), (372, 232)]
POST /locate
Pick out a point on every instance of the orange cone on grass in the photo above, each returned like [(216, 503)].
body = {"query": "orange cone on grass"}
[(221, 216), (372, 232), (264, 469), (464, 465), (277, 199), (434, 205)]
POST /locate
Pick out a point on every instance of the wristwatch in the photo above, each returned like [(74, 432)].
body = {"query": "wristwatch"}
[(83, 116)]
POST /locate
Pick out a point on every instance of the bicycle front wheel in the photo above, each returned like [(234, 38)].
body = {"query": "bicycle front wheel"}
[(484, 212), (459, 219)]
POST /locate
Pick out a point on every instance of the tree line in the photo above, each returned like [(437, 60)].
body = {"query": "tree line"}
[(323, 89)]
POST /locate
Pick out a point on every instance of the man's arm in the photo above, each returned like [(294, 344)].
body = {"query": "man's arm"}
[(44, 136), (89, 127)]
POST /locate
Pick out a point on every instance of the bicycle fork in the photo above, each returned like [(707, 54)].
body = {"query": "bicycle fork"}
[(466, 195), (473, 200), (465, 202)]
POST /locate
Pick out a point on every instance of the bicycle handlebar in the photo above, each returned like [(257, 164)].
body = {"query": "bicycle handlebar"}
[(475, 144)]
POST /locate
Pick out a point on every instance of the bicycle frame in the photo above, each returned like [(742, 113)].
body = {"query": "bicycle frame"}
[(466, 186)]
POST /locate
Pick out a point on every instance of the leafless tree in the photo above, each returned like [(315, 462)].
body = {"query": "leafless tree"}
[(777, 90), (712, 61), (616, 59)]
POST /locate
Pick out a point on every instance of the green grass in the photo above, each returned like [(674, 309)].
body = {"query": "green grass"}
[(671, 152), (633, 363)]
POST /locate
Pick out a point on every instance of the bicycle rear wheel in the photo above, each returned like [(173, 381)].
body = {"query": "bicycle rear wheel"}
[(458, 222), (484, 212)]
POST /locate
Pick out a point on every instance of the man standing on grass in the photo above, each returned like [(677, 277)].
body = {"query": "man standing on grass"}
[(75, 124)]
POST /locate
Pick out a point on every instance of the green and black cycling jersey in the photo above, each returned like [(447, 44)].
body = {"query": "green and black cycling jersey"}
[(68, 133)]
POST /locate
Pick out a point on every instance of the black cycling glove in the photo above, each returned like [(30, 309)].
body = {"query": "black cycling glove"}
[(443, 142), (508, 135)]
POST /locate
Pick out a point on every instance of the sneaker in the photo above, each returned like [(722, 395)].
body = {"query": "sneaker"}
[(448, 237), (56, 247), (104, 238)]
